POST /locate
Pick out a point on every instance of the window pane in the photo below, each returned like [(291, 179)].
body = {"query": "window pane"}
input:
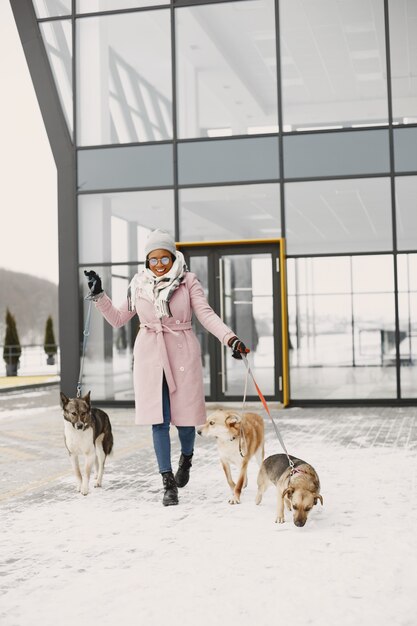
[(57, 37), (406, 207), (342, 333), (405, 150), (228, 160), (235, 212), (336, 154), (407, 301), (93, 6), (403, 43), (109, 357), (131, 166), (333, 63), (338, 216), (124, 78), (226, 69), (113, 227), (52, 8)]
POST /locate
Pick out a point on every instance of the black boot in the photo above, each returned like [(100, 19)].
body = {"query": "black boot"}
[(171, 489), (183, 474)]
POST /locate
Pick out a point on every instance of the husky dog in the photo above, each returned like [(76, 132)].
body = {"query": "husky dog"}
[(299, 490), (239, 438), (87, 431)]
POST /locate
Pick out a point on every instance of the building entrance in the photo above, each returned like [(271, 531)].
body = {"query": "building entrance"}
[(243, 285)]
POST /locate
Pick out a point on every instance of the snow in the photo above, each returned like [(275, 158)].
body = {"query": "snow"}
[(118, 556)]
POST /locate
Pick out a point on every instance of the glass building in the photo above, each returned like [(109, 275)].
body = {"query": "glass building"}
[(277, 141)]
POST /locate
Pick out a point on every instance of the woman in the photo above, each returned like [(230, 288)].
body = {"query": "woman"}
[(167, 373)]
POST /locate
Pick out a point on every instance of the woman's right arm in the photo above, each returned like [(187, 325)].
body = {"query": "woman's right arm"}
[(116, 316)]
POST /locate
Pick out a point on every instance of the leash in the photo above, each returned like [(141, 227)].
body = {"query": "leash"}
[(86, 332), (241, 431), (265, 405)]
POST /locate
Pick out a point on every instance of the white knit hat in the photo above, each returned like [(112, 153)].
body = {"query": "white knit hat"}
[(160, 240)]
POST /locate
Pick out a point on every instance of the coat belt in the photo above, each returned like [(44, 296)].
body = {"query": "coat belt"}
[(160, 329)]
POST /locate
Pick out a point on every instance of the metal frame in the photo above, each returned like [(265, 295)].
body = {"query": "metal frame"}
[(65, 153)]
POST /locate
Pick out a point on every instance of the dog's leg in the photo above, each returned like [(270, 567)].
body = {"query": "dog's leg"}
[(100, 459), (280, 507), (262, 482), (76, 468), (228, 474), (89, 462), (235, 499), (259, 455), (96, 469)]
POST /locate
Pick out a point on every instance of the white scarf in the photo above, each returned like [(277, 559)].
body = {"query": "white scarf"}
[(158, 290)]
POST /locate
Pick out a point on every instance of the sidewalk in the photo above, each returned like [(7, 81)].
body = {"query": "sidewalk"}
[(118, 555)]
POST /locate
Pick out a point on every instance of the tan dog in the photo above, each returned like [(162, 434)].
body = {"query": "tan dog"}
[(239, 438), (300, 491)]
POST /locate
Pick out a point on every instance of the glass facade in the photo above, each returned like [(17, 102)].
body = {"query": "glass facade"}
[(244, 120)]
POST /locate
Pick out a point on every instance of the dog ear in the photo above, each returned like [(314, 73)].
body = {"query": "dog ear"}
[(64, 399), (317, 496), (86, 398), (233, 418), (288, 492)]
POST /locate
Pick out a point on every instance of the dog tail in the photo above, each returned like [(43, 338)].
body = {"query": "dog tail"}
[(108, 442)]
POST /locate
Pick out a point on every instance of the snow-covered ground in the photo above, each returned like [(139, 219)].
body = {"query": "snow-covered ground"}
[(118, 557)]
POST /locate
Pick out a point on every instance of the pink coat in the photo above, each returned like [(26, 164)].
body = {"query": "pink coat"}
[(169, 345)]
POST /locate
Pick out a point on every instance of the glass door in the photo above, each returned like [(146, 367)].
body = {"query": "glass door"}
[(242, 285)]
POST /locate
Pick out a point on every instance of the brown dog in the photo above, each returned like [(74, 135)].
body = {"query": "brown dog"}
[(87, 432), (239, 438), (300, 491)]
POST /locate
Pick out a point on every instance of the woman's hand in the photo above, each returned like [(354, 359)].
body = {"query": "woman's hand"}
[(238, 347), (94, 282)]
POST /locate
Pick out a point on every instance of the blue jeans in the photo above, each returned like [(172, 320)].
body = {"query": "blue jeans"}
[(160, 434)]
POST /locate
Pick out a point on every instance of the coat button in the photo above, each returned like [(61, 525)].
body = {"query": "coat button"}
[(177, 322), (181, 369)]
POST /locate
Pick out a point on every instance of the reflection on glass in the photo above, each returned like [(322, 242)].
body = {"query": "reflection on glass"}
[(342, 327), (124, 78), (406, 211), (113, 227), (407, 302), (52, 8), (333, 63), (403, 35), (247, 308), (199, 265), (226, 69), (352, 215), (57, 37), (230, 213), (109, 357)]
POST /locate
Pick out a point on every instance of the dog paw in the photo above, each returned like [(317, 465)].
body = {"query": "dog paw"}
[(97, 484), (234, 500), (84, 491), (280, 520)]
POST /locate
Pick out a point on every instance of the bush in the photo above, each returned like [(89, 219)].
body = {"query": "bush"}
[(11, 349), (49, 344)]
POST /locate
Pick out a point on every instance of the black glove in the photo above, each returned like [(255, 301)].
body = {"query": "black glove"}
[(238, 347), (94, 282)]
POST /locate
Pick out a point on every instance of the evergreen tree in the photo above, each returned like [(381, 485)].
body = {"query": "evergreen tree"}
[(11, 349), (49, 344)]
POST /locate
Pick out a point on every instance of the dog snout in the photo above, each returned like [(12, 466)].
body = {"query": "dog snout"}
[(199, 432), (79, 425), (300, 522)]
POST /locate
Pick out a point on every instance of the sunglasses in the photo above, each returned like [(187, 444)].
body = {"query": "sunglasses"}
[(165, 260)]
